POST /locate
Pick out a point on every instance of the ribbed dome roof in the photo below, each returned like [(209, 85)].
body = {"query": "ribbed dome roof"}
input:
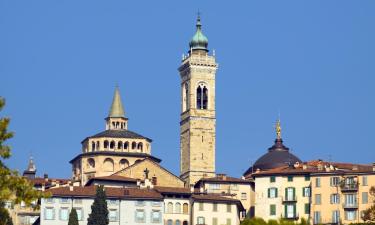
[(277, 155), (199, 40)]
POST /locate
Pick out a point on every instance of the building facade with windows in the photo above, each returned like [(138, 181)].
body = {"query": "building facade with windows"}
[(125, 205), (340, 195), (236, 188)]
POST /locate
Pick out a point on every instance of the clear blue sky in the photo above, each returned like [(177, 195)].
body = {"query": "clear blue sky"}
[(311, 60)]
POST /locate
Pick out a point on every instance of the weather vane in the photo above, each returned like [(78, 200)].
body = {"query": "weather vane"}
[(278, 129)]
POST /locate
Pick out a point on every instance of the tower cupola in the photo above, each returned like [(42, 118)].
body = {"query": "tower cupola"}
[(199, 40), (30, 172), (116, 119)]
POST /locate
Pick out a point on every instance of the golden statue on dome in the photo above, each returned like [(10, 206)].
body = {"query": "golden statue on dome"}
[(278, 129)]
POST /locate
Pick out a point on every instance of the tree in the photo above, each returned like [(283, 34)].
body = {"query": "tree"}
[(13, 187), (369, 214), (73, 217), (99, 210)]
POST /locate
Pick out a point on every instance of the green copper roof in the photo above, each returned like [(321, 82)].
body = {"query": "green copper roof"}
[(199, 41), (117, 110)]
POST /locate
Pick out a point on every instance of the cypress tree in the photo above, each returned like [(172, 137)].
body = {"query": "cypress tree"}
[(73, 217), (99, 210)]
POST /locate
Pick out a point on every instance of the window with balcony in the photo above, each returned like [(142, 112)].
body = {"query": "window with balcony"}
[(350, 200), (290, 194)]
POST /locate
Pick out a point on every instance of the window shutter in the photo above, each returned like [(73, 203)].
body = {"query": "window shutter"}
[(303, 192), (285, 211), (286, 193), (294, 210), (269, 192), (276, 192), (294, 193)]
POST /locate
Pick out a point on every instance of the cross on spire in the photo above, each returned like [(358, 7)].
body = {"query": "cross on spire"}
[(146, 171)]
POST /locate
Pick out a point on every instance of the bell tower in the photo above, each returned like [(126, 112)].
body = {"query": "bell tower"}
[(198, 121)]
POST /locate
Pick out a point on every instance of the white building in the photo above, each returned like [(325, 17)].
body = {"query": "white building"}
[(125, 205)]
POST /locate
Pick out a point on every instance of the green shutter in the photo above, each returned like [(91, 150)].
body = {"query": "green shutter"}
[(286, 193), (294, 210), (276, 192), (285, 211), (269, 192), (294, 193), (303, 192)]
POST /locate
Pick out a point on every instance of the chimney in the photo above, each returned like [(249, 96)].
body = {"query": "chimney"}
[(355, 167), (71, 187), (45, 176), (192, 189), (57, 183), (304, 166), (154, 180)]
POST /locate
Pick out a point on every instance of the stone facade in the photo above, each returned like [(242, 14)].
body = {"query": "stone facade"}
[(156, 173), (198, 121)]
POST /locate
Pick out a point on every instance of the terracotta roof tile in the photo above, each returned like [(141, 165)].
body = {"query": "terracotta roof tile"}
[(223, 179), (172, 190), (123, 193)]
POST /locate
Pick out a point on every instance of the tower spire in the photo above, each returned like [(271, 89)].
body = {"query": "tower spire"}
[(116, 119), (31, 169), (199, 40), (116, 110)]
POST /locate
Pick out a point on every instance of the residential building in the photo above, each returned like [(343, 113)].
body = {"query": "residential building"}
[(125, 205), (236, 188)]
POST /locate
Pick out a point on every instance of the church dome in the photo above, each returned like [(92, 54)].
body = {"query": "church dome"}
[(199, 40), (278, 155)]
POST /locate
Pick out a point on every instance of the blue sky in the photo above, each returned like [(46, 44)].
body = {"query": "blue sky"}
[(311, 60)]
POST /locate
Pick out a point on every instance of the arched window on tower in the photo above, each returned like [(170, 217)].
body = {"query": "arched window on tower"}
[(126, 145), (97, 145), (140, 147), (185, 98), (119, 145), (112, 145), (124, 163), (202, 97), (134, 145), (93, 146), (91, 163), (106, 144)]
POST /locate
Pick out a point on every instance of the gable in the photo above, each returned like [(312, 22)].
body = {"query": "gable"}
[(164, 177)]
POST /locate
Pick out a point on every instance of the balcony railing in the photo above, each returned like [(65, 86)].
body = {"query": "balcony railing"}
[(289, 199), (291, 217), (349, 187), (350, 205)]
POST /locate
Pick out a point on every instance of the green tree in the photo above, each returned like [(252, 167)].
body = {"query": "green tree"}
[(99, 210), (13, 187), (369, 214), (73, 217)]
